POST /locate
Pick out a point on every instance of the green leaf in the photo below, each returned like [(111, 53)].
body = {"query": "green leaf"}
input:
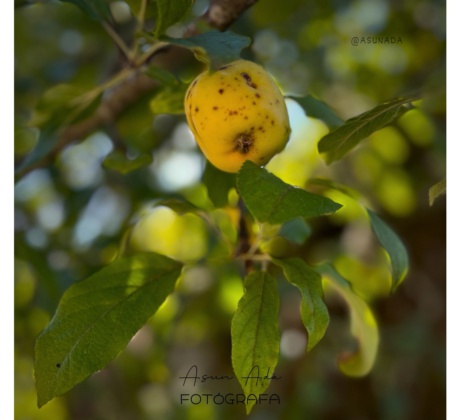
[(95, 9), (296, 230), (318, 109), (436, 190), (214, 48), (119, 162), (97, 317), (45, 144), (363, 326), (271, 200), (151, 10), (169, 13), (169, 100), (313, 310), (59, 106), (255, 334), (179, 206), (218, 184), (138, 115), (63, 104), (336, 144), (393, 246), (329, 184), (163, 76)]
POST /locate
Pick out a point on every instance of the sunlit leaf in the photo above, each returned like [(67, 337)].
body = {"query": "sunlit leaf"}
[(214, 48), (97, 317), (315, 108), (393, 246), (314, 313), (169, 100), (363, 326), (336, 144), (119, 162), (255, 334), (437, 190), (271, 200), (169, 13), (95, 9)]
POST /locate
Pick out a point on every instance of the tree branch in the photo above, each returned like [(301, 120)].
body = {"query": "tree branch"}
[(222, 13)]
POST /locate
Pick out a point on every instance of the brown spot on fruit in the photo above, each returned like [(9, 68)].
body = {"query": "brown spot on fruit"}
[(249, 81), (197, 109), (215, 108), (221, 91), (243, 143), (257, 95)]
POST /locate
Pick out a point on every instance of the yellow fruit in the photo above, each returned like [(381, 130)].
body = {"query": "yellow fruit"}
[(237, 113)]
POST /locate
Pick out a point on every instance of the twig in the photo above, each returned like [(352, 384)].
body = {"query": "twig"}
[(116, 38), (255, 257)]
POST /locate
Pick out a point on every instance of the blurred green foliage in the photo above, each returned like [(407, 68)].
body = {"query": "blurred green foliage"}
[(73, 215)]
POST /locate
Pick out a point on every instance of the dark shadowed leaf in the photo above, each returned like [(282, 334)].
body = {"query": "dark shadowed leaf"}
[(255, 334), (218, 184), (119, 162), (336, 144), (315, 108), (59, 106), (273, 201), (151, 9), (163, 76), (393, 246), (45, 144), (95, 9), (214, 48), (296, 230), (170, 12), (363, 326), (97, 317), (313, 311), (329, 184), (63, 104)]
